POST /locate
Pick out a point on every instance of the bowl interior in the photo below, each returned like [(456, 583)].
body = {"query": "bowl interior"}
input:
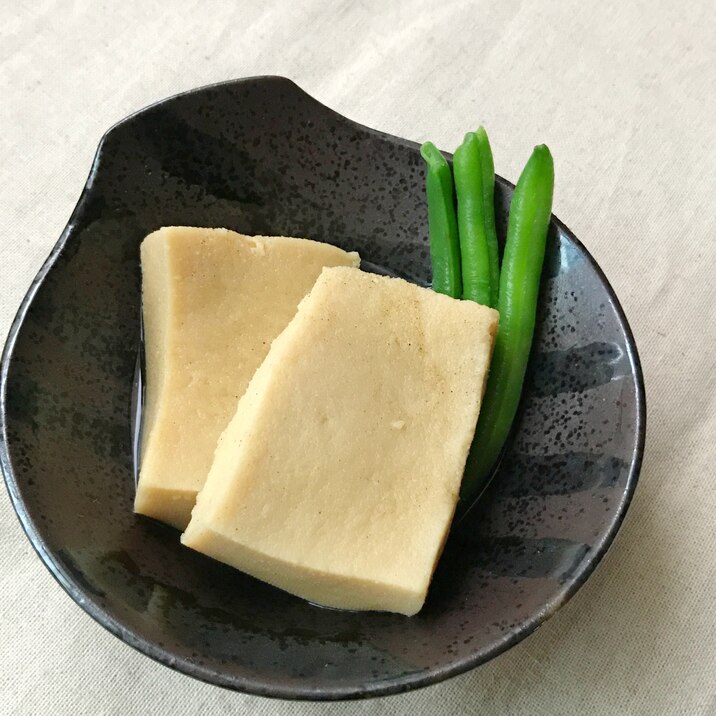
[(260, 156)]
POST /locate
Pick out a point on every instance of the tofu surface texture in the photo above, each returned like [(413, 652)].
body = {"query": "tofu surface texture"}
[(213, 301), (338, 476)]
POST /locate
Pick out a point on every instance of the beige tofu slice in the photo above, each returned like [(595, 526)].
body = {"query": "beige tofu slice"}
[(214, 300), (338, 477)]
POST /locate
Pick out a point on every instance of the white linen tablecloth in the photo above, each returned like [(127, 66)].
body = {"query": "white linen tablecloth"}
[(623, 92)]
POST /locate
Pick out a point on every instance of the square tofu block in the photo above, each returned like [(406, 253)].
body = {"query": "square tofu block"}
[(338, 476), (213, 302)]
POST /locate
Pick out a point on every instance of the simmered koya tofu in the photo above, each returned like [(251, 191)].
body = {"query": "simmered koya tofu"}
[(214, 300), (338, 476)]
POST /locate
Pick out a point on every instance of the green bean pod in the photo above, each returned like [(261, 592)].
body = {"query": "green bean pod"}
[(442, 223), (487, 165), (530, 213), (474, 255)]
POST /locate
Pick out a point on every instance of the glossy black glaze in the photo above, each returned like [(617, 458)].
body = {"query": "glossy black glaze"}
[(260, 156)]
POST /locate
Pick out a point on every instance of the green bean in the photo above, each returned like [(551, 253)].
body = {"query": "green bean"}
[(488, 208), (474, 256), (442, 223), (530, 212)]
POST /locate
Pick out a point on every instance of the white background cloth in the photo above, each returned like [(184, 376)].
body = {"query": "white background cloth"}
[(623, 92)]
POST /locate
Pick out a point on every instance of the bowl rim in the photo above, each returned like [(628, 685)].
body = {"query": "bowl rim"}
[(254, 686)]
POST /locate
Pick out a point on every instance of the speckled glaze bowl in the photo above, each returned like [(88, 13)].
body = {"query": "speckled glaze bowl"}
[(261, 156)]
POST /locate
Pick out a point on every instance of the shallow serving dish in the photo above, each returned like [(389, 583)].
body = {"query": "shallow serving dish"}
[(262, 157)]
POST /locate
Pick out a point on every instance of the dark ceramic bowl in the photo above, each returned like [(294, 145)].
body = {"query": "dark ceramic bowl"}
[(261, 156)]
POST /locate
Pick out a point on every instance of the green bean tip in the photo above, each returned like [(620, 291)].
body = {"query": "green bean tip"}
[(431, 154)]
